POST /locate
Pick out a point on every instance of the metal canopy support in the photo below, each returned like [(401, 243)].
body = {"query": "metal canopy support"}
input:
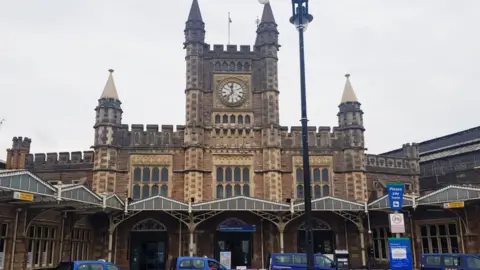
[(241, 203), (331, 204), (158, 203), (280, 220), (25, 181), (450, 194), (383, 204)]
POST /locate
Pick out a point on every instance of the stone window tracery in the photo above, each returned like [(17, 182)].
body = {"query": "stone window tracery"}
[(320, 184), (232, 181), (149, 181)]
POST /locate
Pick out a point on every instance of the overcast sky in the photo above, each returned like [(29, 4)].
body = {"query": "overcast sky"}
[(414, 64)]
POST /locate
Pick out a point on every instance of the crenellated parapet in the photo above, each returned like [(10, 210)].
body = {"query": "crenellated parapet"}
[(407, 164), (139, 135), (58, 160), (318, 137)]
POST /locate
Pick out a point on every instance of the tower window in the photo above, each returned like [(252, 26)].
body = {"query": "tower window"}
[(232, 119), (225, 118), (240, 119), (217, 119), (247, 119), (227, 188), (149, 181), (320, 186)]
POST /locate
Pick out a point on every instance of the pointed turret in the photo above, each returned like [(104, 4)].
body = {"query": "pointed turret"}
[(350, 117), (110, 90), (109, 112), (267, 32), (348, 93), (194, 27)]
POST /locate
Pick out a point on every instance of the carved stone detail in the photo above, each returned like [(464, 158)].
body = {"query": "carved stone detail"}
[(314, 160), (165, 160), (233, 160)]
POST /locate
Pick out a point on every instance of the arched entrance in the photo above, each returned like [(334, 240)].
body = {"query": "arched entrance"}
[(323, 238), (236, 237), (148, 245)]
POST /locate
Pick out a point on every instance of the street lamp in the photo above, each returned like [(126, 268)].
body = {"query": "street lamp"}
[(301, 18)]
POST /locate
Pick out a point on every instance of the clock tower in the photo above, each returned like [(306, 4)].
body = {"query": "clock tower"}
[(232, 131)]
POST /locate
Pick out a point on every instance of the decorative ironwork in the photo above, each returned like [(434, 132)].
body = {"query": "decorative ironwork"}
[(149, 225), (317, 225), (232, 222)]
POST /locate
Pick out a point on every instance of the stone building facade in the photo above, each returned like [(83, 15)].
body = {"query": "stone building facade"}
[(231, 144)]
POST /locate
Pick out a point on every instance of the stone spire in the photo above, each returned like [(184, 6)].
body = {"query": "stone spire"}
[(110, 90), (194, 27), (267, 32), (267, 16), (348, 93)]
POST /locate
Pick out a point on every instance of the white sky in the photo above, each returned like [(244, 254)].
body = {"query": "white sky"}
[(414, 64)]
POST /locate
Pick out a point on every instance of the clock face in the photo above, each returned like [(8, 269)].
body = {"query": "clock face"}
[(232, 93)]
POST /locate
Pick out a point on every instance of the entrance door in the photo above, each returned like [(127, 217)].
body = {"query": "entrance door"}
[(148, 246), (235, 236), (322, 237), (239, 244)]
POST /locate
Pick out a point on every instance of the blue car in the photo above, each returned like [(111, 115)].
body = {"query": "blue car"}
[(298, 261), (196, 263), (87, 265)]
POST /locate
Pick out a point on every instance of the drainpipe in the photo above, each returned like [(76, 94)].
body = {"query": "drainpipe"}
[(15, 229)]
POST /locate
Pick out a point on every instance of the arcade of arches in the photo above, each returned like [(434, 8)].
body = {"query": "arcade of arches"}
[(150, 239)]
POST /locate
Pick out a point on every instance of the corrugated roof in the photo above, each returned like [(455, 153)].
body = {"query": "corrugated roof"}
[(451, 152)]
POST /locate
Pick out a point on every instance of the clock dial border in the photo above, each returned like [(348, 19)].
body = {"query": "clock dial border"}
[(238, 81)]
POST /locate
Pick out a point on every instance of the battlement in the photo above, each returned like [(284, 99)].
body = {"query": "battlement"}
[(321, 136), (150, 135), (50, 159), (21, 143), (220, 48), (153, 128)]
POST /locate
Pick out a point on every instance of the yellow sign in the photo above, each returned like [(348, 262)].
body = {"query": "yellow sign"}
[(454, 205), (23, 196)]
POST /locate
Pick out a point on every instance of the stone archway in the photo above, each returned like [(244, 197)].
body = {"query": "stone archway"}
[(148, 245), (323, 237), (235, 236)]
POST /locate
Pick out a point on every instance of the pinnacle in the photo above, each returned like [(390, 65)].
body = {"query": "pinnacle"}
[(195, 14), (267, 16), (110, 90), (348, 93)]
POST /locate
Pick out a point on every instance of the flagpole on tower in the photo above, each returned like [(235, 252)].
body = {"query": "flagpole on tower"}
[(229, 22)]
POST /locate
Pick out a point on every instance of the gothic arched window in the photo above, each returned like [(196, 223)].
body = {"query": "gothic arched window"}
[(316, 175), (237, 174), (164, 176), (146, 175), (240, 119), (155, 174), (164, 191), (325, 175), (299, 175), (247, 119), (225, 119), (217, 119), (232, 119), (137, 174)]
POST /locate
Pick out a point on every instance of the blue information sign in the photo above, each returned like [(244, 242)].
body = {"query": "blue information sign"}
[(400, 254), (237, 228), (395, 195)]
